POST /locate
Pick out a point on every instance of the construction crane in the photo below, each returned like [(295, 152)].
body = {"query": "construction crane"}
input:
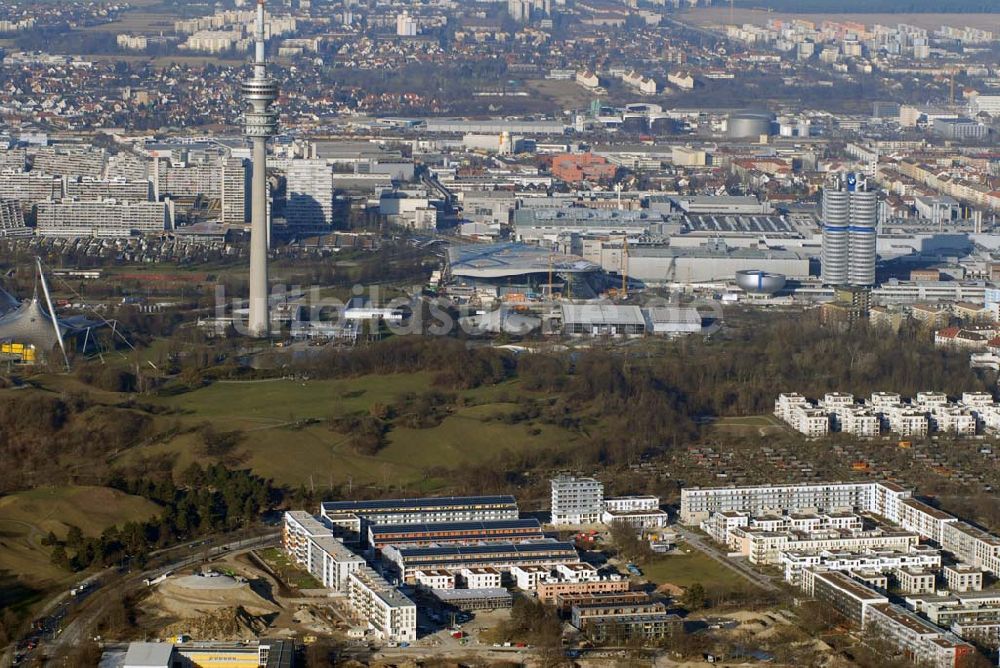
[(551, 295), (625, 269)]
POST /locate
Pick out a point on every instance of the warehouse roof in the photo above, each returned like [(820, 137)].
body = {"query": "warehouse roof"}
[(148, 655), (602, 314)]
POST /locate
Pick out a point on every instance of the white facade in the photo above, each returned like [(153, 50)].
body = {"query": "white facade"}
[(389, 614), (576, 500), (312, 545), (526, 577), (435, 579), (310, 193), (480, 578), (698, 502), (107, 219), (963, 578), (885, 561)]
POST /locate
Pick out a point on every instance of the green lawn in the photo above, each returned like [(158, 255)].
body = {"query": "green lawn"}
[(291, 573), (686, 566)]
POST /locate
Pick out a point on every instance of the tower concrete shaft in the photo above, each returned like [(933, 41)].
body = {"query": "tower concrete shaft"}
[(260, 123)]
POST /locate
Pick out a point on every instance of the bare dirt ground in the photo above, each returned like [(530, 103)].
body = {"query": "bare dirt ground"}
[(706, 16), (223, 609)]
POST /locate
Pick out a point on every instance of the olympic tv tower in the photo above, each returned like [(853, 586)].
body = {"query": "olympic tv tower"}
[(260, 122)]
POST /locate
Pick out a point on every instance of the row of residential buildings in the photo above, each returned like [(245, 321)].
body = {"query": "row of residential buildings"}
[(851, 543), (887, 411), (466, 552)]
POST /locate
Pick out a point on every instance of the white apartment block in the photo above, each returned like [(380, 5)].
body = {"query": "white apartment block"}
[(29, 188), (480, 578), (765, 547), (874, 561), (913, 580), (860, 422), (576, 500), (578, 572), (971, 545), (640, 512), (931, 399), (922, 518), (527, 576), (935, 647), (388, 613), (234, 191), (311, 544), (787, 403), (310, 193), (11, 217), (954, 420), (884, 400), (832, 401), (812, 422), (906, 421), (963, 577), (720, 526), (102, 189), (626, 504), (107, 219), (697, 503), (976, 399), (435, 579)]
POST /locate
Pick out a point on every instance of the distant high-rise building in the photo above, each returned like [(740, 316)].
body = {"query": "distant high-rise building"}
[(406, 25), (310, 194), (235, 188), (849, 232)]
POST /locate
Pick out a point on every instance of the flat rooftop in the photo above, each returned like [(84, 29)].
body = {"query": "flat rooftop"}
[(377, 530), (423, 503)]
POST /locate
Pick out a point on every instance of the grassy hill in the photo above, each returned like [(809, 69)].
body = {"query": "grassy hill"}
[(27, 517), (287, 437)]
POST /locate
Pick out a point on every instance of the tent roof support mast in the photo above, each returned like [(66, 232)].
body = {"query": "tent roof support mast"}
[(52, 311)]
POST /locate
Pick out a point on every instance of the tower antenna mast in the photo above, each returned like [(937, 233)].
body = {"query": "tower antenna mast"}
[(260, 123)]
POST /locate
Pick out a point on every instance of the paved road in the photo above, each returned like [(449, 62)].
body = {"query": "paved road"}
[(56, 639), (738, 566)]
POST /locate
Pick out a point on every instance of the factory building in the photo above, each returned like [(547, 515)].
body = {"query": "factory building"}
[(264, 653), (712, 262)]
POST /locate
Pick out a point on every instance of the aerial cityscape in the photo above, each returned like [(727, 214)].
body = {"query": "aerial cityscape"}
[(542, 333)]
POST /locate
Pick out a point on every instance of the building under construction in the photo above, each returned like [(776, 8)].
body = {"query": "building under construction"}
[(520, 272)]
